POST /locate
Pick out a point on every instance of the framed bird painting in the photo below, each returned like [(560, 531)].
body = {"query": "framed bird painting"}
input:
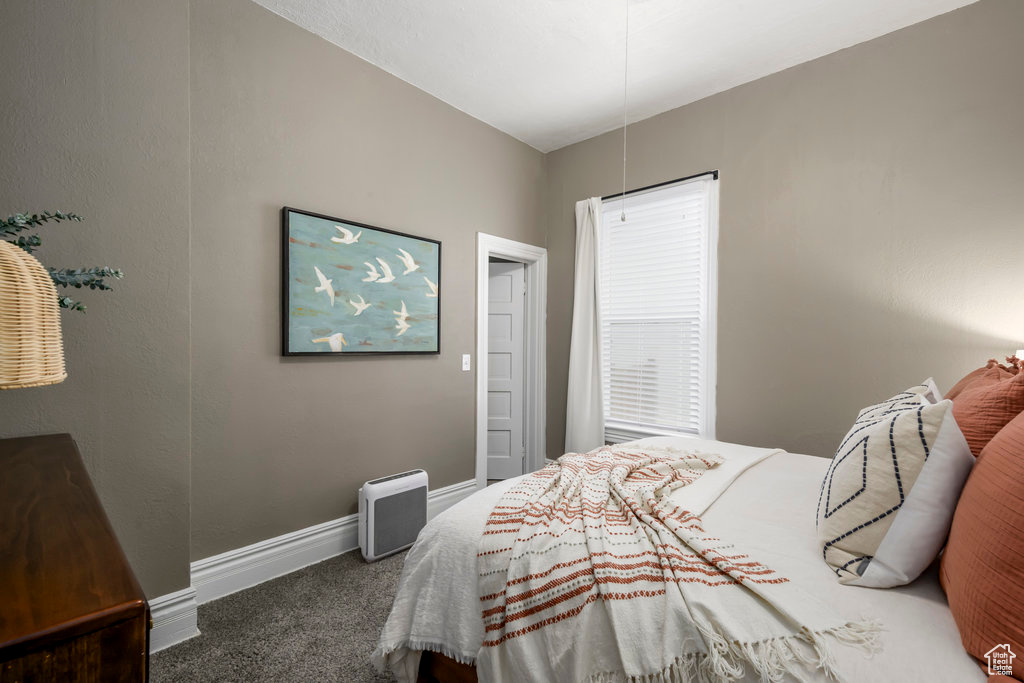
[(350, 288)]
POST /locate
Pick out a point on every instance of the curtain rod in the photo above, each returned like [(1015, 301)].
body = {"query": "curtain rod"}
[(714, 175)]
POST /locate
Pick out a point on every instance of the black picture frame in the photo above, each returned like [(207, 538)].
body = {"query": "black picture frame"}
[(306, 288)]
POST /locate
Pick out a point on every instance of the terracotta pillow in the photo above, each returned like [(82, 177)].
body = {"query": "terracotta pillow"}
[(967, 379), (983, 564), (987, 405)]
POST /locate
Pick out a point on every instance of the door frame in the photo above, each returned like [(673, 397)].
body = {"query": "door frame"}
[(535, 363)]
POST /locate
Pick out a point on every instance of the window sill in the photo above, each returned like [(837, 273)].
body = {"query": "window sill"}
[(619, 434)]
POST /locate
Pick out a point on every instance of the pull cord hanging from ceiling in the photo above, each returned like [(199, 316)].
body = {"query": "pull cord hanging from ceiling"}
[(625, 103), (625, 110)]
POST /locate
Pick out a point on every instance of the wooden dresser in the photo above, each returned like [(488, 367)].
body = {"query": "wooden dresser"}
[(70, 606)]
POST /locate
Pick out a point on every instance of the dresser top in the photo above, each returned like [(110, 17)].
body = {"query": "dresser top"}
[(62, 570)]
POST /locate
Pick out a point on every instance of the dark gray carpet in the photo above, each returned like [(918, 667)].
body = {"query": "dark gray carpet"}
[(317, 624)]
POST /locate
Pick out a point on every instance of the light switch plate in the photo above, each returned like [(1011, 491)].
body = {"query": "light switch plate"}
[(465, 362)]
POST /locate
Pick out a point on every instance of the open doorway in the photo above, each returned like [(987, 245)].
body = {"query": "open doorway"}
[(510, 334)]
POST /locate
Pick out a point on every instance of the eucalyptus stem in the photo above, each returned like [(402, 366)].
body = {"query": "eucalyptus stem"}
[(93, 278)]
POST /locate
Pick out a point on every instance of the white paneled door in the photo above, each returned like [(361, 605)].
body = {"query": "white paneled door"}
[(506, 443)]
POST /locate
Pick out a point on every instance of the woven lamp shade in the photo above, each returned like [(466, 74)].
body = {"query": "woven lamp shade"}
[(31, 346)]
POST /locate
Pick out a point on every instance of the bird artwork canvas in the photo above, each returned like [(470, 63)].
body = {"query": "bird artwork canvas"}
[(351, 289)]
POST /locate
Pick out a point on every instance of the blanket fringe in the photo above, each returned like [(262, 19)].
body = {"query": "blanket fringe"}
[(381, 655), (684, 669), (797, 656), (776, 658), (864, 635)]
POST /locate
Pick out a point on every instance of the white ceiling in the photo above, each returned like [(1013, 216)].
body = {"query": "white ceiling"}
[(550, 72)]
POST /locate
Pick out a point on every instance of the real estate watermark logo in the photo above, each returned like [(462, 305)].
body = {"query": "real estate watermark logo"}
[(1000, 660)]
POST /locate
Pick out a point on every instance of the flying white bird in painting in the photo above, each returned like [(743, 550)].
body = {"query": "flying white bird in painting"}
[(360, 305), (325, 285), (371, 275), (403, 314), (406, 259), (346, 236), (401, 322), (386, 269), (432, 294), (336, 340)]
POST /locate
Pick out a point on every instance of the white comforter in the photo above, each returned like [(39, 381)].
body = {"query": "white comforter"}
[(770, 506)]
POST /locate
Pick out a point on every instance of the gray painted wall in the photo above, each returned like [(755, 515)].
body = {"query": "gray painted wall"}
[(279, 117), (871, 214), (95, 121)]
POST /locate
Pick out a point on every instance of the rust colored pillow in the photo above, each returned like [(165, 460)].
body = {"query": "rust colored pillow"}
[(983, 565), (987, 405), (1008, 371)]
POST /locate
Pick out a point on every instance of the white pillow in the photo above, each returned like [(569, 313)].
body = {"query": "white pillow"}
[(930, 390), (888, 497)]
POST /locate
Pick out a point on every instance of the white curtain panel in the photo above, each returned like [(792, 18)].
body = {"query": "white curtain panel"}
[(584, 414)]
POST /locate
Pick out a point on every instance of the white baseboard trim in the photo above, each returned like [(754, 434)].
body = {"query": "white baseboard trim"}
[(441, 499), (220, 575), (175, 615), (224, 574), (174, 619)]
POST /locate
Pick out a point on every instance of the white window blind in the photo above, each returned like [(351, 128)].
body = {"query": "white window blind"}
[(657, 280)]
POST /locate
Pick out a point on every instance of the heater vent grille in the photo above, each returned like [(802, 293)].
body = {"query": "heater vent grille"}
[(392, 512), (399, 519)]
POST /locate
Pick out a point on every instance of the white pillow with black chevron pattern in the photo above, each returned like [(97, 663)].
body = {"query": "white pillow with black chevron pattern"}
[(888, 497)]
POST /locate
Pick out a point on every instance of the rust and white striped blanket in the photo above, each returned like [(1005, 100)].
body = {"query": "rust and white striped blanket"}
[(588, 572)]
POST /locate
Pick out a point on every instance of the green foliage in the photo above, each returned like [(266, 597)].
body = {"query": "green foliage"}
[(84, 277), (93, 278), (12, 225)]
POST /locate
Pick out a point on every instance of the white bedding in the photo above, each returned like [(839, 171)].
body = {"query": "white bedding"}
[(770, 506)]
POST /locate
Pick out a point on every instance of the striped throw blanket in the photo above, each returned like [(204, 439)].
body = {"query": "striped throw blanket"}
[(588, 572)]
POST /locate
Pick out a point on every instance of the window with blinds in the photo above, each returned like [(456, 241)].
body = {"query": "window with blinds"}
[(657, 286)]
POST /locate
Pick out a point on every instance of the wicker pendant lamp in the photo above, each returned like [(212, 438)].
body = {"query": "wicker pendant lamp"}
[(31, 346)]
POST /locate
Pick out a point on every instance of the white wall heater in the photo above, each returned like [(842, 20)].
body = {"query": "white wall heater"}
[(392, 510)]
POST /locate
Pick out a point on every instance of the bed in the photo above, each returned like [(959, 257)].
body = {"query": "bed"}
[(769, 507)]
